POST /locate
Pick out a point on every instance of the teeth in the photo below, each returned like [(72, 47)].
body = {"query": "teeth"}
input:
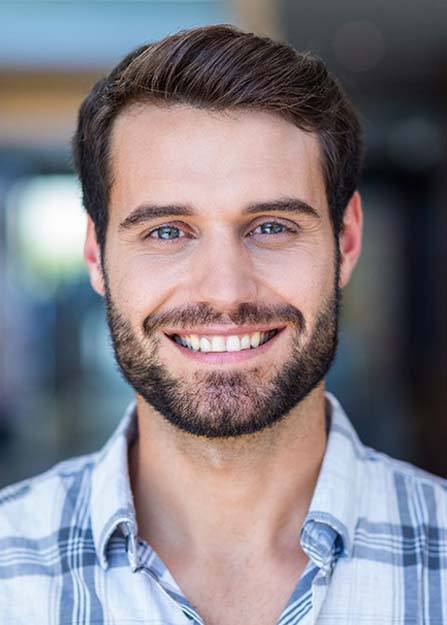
[(233, 344), (205, 345), (255, 339), (195, 342), (220, 343), (245, 342)]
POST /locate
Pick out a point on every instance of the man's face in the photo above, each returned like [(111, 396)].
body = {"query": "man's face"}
[(245, 247)]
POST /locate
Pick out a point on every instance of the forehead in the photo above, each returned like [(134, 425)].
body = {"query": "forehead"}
[(182, 153)]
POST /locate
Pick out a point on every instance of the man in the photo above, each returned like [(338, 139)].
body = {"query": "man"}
[(219, 171)]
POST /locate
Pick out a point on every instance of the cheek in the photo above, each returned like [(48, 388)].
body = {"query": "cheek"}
[(302, 276), (140, 287)]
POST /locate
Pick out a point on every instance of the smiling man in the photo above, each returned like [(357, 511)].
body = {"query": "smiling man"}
[(219, 171)]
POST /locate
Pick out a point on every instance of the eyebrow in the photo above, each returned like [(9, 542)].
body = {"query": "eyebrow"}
[(146, 212)]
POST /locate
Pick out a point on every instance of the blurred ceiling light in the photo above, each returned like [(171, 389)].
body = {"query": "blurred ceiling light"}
[(46, 228), (359, 46)]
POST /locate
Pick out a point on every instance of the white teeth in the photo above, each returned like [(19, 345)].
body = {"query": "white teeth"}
[(233, 344), (255, 339), (205, 345), (219, 343), (245, 342), (195, 342)]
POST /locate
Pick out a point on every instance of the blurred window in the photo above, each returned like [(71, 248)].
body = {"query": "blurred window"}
[(46, 229)]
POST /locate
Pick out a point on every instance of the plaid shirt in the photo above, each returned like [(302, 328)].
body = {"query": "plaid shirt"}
[(375, 535)]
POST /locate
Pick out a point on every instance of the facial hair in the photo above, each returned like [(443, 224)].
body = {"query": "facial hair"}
[(223, 404)]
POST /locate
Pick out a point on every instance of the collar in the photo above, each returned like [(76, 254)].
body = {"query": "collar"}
[(112, 506), (328, 528)]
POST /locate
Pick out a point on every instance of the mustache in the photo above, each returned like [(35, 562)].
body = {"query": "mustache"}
[(200, 314)]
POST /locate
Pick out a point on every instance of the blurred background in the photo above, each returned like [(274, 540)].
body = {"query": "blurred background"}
[(60, 392)]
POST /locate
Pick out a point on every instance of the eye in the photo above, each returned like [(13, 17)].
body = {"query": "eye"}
[(170, 233), (272, 227), (166, 233)]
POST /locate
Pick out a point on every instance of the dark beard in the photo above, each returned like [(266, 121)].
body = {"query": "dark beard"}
[(218, 404)]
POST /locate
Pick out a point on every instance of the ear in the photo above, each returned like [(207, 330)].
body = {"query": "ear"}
[(92, 257), (350, 241)]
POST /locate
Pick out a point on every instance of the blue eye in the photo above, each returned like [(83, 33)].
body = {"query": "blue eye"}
[(166, 233), (169, 233), (271, 227)]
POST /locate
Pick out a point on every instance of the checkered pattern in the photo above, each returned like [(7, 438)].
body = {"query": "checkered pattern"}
[(375, 535)]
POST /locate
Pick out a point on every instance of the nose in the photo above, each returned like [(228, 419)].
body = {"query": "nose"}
[(223, 274)]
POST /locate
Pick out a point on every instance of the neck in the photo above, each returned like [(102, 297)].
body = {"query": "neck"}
[(195, 495)]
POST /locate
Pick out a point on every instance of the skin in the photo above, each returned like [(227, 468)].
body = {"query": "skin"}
[(223, 505)]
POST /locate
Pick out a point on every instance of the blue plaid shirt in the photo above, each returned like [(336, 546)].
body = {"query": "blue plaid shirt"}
[(375, 535)]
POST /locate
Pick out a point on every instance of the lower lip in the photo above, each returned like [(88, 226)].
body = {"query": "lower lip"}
[(223, 358)]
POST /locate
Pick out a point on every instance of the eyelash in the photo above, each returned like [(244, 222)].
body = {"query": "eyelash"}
[(176, 239)]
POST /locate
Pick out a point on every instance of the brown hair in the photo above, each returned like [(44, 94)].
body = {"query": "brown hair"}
[(217, 68)]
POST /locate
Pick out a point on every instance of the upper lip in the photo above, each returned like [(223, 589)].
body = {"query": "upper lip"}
[(222, 330)]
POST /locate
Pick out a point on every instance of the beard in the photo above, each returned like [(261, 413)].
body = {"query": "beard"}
[(223, 404)]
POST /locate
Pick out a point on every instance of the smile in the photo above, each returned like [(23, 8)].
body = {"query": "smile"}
[(219, 343), (227, 349)]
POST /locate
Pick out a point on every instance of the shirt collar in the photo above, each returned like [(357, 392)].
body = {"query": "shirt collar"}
[(329, 527), (112, 505), (332, 514)]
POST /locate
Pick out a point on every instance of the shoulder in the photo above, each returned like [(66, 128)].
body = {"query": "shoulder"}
[(397, 563), (39, 521), (35, 507), (407, 481), (400, 499)]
